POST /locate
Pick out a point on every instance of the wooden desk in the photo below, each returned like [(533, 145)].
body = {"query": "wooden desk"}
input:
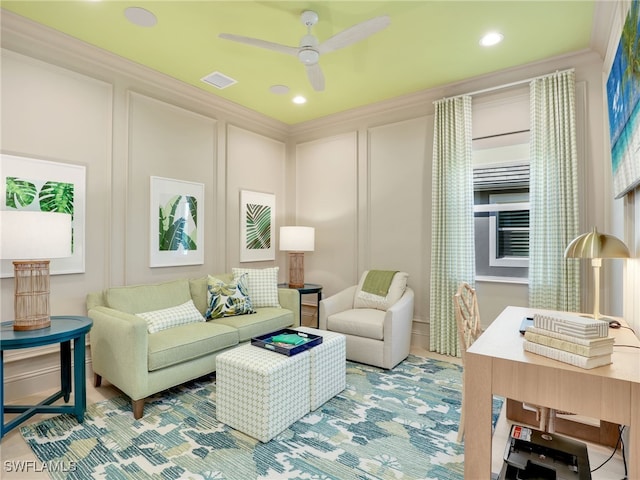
[(497, 364)]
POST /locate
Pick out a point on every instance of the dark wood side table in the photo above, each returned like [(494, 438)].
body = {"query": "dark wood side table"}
[(63, 330), (309, 288)]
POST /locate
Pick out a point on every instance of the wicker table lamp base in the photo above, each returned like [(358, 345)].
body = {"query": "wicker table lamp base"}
[(31, 302)]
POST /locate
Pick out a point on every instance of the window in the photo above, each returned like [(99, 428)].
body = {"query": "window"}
[(501, 211), (509, 230)]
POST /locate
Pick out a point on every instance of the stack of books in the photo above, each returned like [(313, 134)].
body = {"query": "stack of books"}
[(579, 341)]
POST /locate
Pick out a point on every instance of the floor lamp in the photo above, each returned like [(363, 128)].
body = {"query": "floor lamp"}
[(30, 239), (596, 246), (296, 241)]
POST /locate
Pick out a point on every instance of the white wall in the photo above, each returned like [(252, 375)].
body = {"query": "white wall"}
[(398, 190), (253, 162), (170, 142), (326, 199)]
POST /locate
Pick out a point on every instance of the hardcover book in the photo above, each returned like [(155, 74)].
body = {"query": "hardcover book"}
[(572, 324), (572, 338), (567, 357), (601, 348)]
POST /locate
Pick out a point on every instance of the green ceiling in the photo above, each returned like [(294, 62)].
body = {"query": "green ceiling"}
[(428, 44)]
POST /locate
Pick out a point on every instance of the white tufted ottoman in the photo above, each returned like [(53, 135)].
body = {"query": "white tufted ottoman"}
[(260, 392), (328, 366)]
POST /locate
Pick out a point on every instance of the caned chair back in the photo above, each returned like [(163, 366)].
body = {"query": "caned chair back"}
[(467, 316), (469, 329), (465, 305)]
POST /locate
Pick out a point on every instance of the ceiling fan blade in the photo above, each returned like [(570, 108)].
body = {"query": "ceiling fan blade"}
[(354, 34), (316, 77), (260, 43)]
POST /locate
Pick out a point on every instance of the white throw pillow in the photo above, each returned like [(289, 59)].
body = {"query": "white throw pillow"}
[(263, 285), (171, 317), (369, 300)]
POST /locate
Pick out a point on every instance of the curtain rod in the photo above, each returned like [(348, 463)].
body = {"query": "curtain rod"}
[(501, 134), (509, 85)]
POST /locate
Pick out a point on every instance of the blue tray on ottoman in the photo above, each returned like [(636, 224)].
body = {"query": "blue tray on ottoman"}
[(266, 342)]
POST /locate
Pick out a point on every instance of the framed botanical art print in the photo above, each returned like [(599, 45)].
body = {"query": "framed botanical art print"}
[(257, 226), (31, 184), (176, 224)]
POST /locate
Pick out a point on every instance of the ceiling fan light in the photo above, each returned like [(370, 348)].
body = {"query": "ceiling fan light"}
[(308, 56)]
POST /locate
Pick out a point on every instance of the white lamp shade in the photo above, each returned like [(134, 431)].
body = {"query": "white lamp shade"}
[(30, 235), (297, 239)]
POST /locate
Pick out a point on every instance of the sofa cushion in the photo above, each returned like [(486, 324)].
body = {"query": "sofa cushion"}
[(158, 320), (263, 285), (146, 298), (265, 320), (228, 299), (363, 299), (360, 322), (186, 342), (198, 289)]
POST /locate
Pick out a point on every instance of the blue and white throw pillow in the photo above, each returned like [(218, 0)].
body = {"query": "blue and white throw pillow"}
[(228, 299)]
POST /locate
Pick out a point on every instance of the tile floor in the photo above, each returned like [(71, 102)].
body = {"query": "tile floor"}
[(14, 450)]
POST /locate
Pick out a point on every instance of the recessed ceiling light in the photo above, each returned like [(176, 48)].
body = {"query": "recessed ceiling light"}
[(279, 89), (299, 99), (140, 16), (491, 38)]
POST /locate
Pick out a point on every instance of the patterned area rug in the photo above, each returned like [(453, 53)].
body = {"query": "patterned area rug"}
[(397, 424)]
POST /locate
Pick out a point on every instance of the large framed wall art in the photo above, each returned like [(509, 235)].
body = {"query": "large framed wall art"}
[(257, 226), (623, 95), (32, 184), (176, 226)]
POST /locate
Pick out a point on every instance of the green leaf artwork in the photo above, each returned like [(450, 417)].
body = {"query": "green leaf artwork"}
[(52, 196), (177, 224), (20, 192), (258, 223)]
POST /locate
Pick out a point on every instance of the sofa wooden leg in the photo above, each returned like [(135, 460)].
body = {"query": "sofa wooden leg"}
[(97, 380), (138, 408)]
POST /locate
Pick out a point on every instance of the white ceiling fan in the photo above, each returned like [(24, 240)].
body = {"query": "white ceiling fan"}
[(310, 49)]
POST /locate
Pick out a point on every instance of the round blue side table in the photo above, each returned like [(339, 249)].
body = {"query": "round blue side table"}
[(63, 330)]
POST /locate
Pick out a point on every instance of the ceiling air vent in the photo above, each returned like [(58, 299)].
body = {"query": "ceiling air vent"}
[(219, 80)]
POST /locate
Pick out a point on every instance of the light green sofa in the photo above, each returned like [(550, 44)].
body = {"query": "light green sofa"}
[(141, 363)]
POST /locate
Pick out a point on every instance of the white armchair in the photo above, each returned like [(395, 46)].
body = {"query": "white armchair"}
[(375, 336)]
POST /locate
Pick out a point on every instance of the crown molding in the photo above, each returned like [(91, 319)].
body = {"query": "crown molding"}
[(421, 103), (26, 37)]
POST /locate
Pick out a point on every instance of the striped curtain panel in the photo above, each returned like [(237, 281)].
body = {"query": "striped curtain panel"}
[(553, 280), (452, 236)]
